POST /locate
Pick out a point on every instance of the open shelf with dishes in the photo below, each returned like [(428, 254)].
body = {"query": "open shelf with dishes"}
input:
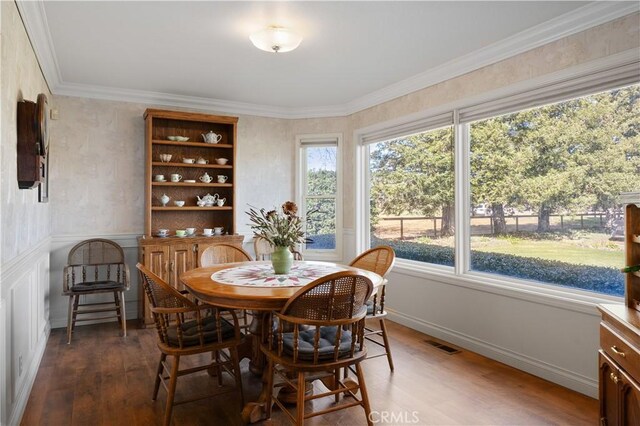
[(180, 174)]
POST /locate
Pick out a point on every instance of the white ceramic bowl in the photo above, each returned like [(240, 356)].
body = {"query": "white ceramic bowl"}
[(179, 203), (165, 158), (221, 161)]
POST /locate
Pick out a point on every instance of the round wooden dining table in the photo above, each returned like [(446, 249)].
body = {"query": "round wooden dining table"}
[(255, 287)]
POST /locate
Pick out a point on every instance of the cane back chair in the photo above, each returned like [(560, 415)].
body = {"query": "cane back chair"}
[(264, 249), (226, 253), (223, 253), (95, 266), (184, 329), (379, 260), (319, 331)]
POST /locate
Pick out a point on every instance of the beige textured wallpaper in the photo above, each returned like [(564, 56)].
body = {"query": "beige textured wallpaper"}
[(97, 182), (25, 222)]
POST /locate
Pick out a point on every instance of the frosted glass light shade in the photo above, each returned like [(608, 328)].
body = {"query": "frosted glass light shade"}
[(275, 39)]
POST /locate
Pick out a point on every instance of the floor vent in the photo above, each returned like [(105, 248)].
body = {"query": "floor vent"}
[(447, 349)]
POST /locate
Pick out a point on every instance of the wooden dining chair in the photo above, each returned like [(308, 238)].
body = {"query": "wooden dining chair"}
[(319, 331), (264, 250), (379, 260), (223, 253), (226, 253), (184, 329), (95, 266)]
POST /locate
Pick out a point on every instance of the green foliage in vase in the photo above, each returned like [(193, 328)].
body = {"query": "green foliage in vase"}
[(280, 228)]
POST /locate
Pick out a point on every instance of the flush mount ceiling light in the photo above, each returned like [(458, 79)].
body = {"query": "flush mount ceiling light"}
[(275, 39)]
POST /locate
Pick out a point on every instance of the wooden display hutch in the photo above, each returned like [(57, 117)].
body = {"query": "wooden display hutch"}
[(170, 256), (619, 355)]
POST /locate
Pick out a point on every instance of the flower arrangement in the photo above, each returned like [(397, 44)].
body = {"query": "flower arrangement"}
[(280, 229)]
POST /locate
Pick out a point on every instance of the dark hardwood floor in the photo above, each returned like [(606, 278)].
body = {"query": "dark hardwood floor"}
[(103, 379)]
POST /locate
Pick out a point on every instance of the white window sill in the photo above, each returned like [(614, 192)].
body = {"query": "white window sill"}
[(547, 294)]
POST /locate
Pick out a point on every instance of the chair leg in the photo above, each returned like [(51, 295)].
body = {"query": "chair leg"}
[(171, 391), (116, 301), (76, 302), (336, 383), (363, 394), (216, 358), (123, 314), (300, 403), (387, 346), (69, 319), (268, 385), (236, 372), (156, 387)]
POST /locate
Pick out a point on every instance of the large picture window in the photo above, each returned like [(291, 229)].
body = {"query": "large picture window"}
[(544, 187), (522, 187), (319, 191), (412, 196)]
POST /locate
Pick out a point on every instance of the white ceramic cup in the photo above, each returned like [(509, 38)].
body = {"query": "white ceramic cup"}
[(222, 178), (189, 160), (176, 177), (191, 231), (181, 232), (163, 232), (208, 231), (159, 178), (218, 230)]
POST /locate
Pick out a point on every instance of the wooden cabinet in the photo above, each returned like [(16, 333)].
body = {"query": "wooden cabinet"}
[(619, 355), (171, 256)]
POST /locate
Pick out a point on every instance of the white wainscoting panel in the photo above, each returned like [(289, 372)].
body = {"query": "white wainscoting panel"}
[(551, 342), (24, 329)]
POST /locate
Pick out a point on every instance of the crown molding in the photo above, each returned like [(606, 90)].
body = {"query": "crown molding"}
[(35, 23), (591, 15), (194, 102)]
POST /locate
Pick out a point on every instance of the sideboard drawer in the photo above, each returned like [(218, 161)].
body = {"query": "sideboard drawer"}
[(620, 350)]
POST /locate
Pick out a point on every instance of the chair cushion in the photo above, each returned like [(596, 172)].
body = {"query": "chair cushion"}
[(370, 307), (97, 285), (326, 344), (190, 336)]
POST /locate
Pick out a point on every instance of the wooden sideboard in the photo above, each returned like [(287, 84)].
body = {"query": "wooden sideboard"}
[(619, 355), (169, 257)]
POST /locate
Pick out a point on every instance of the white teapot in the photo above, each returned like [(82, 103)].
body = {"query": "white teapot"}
[(211, 137), (206, 178)]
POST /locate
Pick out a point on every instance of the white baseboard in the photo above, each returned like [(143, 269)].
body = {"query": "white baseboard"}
[(23, 395), (555, 374)]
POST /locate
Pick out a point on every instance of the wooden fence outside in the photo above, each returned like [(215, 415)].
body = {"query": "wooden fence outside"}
[(483, 225)]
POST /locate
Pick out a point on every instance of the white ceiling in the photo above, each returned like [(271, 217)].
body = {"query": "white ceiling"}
[(350, 50)]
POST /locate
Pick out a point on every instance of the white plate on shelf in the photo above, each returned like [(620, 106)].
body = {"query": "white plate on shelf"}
[(189, 181), (164, 180)]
